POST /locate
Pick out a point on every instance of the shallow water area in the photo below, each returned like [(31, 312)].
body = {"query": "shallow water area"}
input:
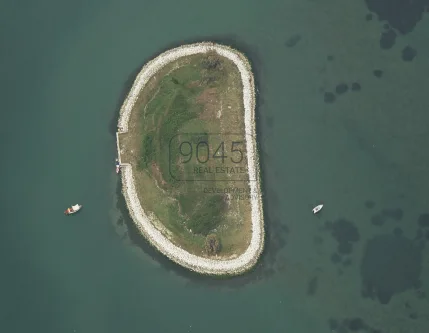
[(362, 155)]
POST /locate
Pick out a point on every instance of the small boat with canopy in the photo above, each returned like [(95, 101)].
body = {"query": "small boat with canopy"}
[(73, 209)]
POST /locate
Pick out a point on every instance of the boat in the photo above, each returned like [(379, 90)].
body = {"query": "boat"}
[(73, 209), (317, 209), (118, 166)]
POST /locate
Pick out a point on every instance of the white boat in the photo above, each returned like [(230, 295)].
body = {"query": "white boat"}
[(317, 209), (73, 209), (118, 166)]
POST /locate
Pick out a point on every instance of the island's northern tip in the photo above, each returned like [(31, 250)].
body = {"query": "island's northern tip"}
[(186, 143)]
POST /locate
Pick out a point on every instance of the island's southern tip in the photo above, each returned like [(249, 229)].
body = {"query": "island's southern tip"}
[(189, 162)]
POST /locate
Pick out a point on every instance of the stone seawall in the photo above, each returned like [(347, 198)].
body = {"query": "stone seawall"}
[(202, 265)]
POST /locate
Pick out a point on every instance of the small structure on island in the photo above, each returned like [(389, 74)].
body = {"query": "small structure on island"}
[(189, 161)]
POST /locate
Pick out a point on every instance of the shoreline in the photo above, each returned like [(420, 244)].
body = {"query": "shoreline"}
[(246, 260)]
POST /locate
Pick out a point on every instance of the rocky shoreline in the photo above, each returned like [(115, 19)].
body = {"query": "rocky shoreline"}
[(195, 263)]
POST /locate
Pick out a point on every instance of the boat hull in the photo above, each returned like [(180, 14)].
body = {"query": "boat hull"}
[(73, 210), (317, 209)]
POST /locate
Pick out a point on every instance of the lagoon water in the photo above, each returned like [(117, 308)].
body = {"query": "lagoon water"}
[(359, 266)]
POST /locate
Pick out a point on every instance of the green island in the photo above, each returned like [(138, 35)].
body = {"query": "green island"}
[(186, 145)]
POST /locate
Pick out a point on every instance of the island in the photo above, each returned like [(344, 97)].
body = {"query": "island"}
[(188, 154)]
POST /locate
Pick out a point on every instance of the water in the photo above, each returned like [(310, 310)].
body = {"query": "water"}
[(64, 69)]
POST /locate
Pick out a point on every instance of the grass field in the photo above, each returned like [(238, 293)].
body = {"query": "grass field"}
[(186, 145)]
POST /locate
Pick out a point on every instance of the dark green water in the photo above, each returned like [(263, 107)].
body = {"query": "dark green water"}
[(64, 67)]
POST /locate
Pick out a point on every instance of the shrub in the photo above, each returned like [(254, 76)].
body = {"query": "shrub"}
[(148, 152), (212, 62), (212, 244)]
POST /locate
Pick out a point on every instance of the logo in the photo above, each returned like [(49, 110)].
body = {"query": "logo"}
[(209, 157)]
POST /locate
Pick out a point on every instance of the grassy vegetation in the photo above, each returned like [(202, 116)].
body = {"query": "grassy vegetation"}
[(179, 140)]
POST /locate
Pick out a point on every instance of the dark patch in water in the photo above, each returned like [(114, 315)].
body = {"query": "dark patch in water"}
[(356, 86), (341, 88), (390, 265), (329, 97), (395, 214), (408, 53), (335, 258), (378, 73), (293, 40), (284, 228), (369, 204), (345, 248), (120, 221), (347, 262), (419, 234), (398, 232), (387, 39), (402, 15), (413, 315), (312, 286), (417, 284), (386, 26), (420, 294), (424, 220), (333, 324), (330, 58), (354, 324), (377, 220), (368, 17), (345, 232)]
